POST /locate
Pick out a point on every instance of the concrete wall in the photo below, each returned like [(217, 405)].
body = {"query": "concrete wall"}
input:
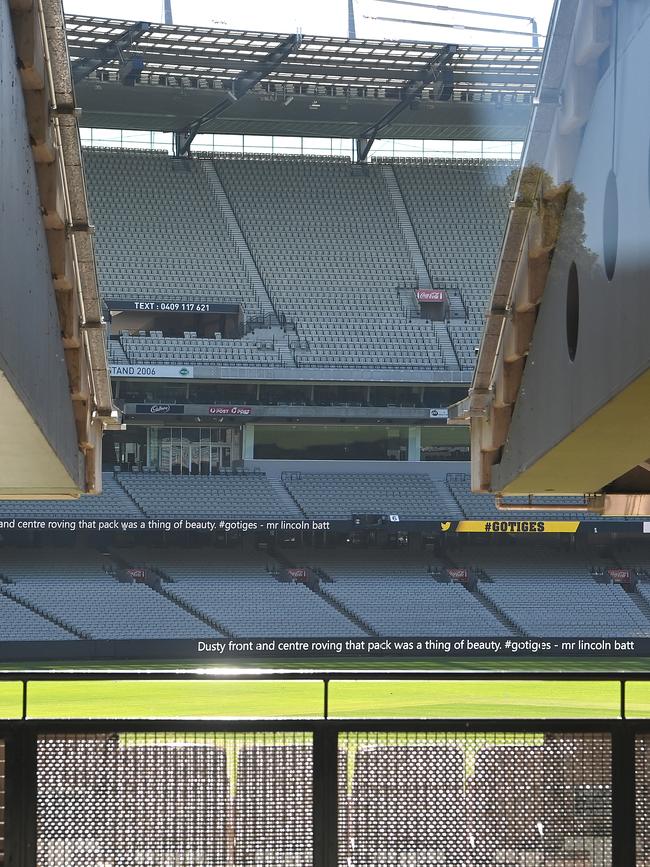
[(31, 352)]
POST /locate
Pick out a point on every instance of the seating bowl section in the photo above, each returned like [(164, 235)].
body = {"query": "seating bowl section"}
[(325, 239), (252, 495), (63, 594)]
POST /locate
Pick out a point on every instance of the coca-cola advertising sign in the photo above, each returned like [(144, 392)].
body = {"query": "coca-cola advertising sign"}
[(430, 296), (620, 576), (298, 572), (458, 574), (230, 410)]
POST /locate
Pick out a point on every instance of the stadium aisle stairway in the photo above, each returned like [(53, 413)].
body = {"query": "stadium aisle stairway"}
[(340, 495), (252, 494), (72, 588), (393, 593), (238, 593), (547, 593)]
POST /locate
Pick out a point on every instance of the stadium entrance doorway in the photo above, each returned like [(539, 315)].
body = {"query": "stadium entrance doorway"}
[(186, 451)]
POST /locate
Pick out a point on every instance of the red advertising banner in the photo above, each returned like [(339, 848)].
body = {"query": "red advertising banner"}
[(620, 576), (428, 296), (296, 572), (137, 574), (230, 410), (458, 574)]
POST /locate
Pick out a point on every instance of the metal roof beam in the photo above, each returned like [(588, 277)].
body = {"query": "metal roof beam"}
[(241, 85), (112, 50), (432, 72)]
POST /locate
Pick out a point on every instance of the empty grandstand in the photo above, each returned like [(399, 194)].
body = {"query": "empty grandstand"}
[(244, 599), (269, 249), (551, 593), (269, 305), (160, 495), (127, 592), (78, 594), (143, 247), (458, 211), (285, 514), (340, 495), (291, 490), (398, 595)]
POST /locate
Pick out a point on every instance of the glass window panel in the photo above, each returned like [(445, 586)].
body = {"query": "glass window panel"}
[(500, 149), (516, 149), (342, 147), (258, 143), (228, 143), (203, 142), (383, 148), (408, 147), (134, 138), (467, 149), (107, 137), (286, 144), (163, 141), (317, 145), (336, 442), (442, 148)]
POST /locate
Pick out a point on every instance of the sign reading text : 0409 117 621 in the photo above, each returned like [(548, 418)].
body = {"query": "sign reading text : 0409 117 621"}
[(153, 371)]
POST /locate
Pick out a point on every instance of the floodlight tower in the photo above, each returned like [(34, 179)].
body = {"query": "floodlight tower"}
[(352, 30)]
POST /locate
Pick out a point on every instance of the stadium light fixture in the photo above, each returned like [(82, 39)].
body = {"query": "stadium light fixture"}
[(112, 50), (242, 84), (436, 71)]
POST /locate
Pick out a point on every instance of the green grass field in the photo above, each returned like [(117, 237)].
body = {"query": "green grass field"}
[(389, 698)]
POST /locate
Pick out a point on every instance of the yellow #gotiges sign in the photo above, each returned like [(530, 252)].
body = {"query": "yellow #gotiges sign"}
[(504, 526)]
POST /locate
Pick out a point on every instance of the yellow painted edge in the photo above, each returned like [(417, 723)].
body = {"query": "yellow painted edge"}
[(613, 440)]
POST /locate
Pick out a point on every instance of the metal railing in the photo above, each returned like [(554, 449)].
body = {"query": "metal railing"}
[(318, 759)]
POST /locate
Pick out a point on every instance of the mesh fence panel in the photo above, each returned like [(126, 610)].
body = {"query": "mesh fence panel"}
[(2, 802), (642, 780), (187, 800), (474, 799)]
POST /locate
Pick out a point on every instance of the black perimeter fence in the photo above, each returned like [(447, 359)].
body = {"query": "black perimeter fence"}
[(323, 791)]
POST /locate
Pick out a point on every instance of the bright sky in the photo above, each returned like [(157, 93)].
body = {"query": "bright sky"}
[(330, 18)]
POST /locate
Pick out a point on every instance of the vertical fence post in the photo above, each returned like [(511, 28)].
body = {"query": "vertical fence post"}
[(325, 796), (623, 796), (20, 798)]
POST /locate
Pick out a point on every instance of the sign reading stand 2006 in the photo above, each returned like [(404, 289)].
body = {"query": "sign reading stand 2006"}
[(153, 371)]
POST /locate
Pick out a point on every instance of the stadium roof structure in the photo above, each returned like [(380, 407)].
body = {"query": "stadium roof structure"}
[(323, 86)]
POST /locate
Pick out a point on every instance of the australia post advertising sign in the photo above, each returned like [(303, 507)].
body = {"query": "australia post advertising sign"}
[(229, 410)]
